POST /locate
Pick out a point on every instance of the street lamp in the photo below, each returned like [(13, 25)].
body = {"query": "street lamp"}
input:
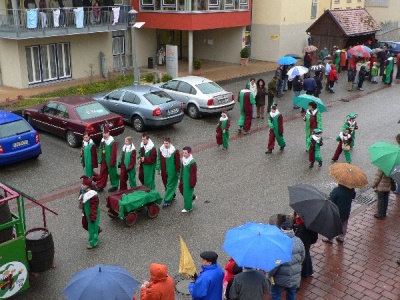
[(136, 72)]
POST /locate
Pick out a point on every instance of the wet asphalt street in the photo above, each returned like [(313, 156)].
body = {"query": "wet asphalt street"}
[(235, 186)]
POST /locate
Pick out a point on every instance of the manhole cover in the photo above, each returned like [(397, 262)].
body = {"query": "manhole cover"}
[(182, 286), (363, 199)]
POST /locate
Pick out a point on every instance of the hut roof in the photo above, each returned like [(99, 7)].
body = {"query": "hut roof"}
[(350, 21)]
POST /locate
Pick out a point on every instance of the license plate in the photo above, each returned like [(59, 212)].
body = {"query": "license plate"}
[(223, 101), (173, 111), (20, 143)]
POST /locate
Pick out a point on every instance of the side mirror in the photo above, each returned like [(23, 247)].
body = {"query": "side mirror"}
[(41, 110)]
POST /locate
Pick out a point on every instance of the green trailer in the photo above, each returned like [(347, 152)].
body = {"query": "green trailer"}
[(22, 252)]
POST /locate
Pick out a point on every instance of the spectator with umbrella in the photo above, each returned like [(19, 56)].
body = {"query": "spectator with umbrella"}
[(287, 277), (307, 60)]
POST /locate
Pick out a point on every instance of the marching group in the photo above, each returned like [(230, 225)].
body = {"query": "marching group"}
[(166, 160)]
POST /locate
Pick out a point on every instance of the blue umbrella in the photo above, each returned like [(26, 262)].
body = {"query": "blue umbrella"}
[(257, 245), (287, 60), (101, 282)]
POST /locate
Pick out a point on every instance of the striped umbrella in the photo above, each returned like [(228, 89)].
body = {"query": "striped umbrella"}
[(361, 51)]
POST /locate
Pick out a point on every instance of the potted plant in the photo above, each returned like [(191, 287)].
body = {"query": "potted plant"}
[(197, 66), (244, 56)]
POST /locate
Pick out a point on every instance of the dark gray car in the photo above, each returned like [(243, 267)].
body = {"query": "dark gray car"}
[(143, 106)]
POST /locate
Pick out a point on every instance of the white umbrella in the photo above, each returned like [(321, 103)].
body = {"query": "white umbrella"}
[(297, 70)]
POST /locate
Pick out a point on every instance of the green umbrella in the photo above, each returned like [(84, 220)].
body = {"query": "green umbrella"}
[(385, 156), (304, 99)]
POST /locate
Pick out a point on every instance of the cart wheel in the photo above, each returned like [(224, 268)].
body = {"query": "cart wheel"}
[(130, 218), (112, 214), (153, 210)]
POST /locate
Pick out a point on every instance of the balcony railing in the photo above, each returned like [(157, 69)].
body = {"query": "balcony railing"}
[(184, 6), (31, 23)]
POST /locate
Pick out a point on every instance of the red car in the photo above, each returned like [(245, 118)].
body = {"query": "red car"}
[(71, 116)]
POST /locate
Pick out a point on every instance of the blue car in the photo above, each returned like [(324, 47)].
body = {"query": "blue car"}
[(18, 140)]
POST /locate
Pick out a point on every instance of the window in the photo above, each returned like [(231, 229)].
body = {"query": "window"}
[(62, 111), (131, 98), (209, 88), (184, 88), (377, 3), (157, 98), (348, 1), (48, 62), (91, 110), (314, 9), (116, 95), (147, 2), (50, 108), (171, 85), (118, 45), (337, 1), (14, 128)]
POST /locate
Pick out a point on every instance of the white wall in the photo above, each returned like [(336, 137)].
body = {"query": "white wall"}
[(146, 40), (219, 44)]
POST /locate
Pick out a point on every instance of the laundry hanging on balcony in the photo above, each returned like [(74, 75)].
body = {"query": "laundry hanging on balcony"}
[(32, 18), (78, 12), (56, 18), (115, 11)]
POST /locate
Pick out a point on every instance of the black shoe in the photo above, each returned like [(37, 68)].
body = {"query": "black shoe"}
[(268, 152), (282, 148), (100, 190), (334, 160), (311, 165), (378, 216), (113, 189), (398, 261), (320, 164)]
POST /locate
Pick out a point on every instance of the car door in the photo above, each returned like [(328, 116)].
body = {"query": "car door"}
[(171, 87), (61, 120), (113, 101), (45, 117), (185, 93), (130, 105)]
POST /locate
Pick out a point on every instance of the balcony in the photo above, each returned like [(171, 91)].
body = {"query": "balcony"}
[(193, 6), (20, 24)]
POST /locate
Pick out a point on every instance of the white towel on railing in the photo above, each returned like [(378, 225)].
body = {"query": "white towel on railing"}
[(78, 12), (43, 18), (32, 18), (116, 14), (56, 18)]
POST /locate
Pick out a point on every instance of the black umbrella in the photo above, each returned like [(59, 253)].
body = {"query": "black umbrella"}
[(396, 174), (318, 213), (294, 55)]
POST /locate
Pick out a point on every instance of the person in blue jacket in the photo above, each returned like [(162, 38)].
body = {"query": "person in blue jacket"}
[(208, 284)]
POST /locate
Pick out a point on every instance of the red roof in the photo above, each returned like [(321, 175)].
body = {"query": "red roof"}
[(355, 21), (351, 21)]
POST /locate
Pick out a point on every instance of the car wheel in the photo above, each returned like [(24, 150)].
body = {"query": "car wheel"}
[(193, 111), (71, 139), (137, 123)]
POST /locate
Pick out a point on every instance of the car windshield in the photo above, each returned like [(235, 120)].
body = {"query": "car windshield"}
[(209, 88), (14, 128), (157, 98), (91, 110)]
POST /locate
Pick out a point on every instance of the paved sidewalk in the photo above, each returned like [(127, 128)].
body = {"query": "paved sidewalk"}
[(213, 70)]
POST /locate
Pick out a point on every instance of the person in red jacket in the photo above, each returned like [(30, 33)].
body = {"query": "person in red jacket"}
[(333, 77), (160, 287)]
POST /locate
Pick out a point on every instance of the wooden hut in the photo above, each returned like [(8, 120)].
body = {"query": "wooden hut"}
[(343, 28)]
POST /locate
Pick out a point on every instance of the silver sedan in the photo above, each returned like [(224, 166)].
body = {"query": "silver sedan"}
[(199, 95), (143, 106)]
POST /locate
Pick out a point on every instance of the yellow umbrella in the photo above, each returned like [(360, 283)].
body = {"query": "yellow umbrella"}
[(348, 175), (186, 263)]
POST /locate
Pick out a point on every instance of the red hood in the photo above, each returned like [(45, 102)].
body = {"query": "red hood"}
[(158, 272)]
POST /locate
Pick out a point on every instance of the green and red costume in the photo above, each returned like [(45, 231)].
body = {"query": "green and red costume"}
[(344, 140), (313, 120), (314, 144), (91, 215), (275, 122), (127, 165), (352, 127), (108, 163), (169, 163), (246, 100), (188, 180), (89, 157), (147, 169), (222, 132)]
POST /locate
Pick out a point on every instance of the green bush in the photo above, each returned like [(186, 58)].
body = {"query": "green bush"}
[(149, 78), (166, 78), (245, 53), (197, 64)]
